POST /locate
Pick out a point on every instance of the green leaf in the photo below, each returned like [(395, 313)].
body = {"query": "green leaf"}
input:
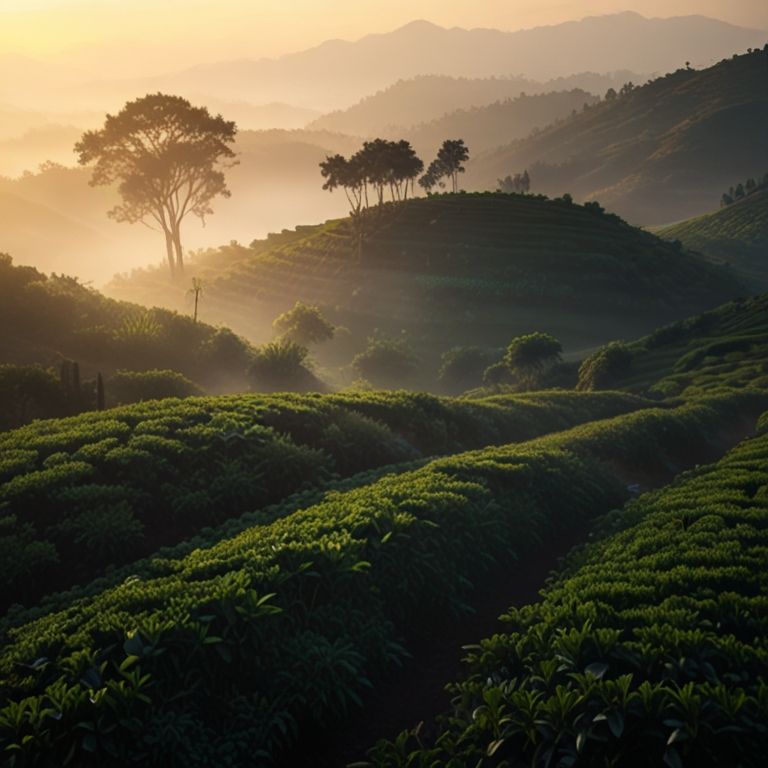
[(616, 723), (494, 746), (596, 669)]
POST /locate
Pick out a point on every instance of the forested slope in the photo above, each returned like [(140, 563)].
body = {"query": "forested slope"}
[(661, 152)]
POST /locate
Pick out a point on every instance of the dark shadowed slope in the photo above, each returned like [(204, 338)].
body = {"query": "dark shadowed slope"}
[(456, 269), (407, 103), (664, 151), (736, 234)]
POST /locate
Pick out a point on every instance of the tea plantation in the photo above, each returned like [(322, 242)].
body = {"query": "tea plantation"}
[(649, 649), (260, 637)]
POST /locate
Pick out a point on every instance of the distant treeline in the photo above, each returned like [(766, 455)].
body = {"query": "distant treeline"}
[(742, 190)]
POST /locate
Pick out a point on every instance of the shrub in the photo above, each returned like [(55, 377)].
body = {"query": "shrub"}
[(387, 362), (134, 386)]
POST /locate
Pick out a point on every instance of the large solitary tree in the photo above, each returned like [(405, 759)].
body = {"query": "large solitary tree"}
[(168, 159)]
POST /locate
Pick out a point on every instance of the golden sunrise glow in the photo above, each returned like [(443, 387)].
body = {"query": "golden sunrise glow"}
[(173, 32)]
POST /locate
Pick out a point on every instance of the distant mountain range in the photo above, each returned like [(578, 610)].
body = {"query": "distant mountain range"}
[(661, 153), (424, 98), (338, 73)]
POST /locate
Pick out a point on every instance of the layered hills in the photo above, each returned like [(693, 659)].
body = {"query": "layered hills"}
[(736, 234), (655, 153), (453, 269)]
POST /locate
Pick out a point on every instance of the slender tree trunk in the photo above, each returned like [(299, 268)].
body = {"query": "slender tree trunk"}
[(197, 296), (169, 253), (179, 251)]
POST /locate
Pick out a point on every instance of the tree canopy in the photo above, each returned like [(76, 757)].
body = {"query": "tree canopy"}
[(304, 324), (447, 165), (167, 158), (529, 356)]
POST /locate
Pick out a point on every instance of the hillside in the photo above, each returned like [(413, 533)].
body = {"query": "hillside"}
[(49, 319), (487, 127), (725, 347), (322, 598), (407, 103), (663, 151), (736, 234), (456, 269)]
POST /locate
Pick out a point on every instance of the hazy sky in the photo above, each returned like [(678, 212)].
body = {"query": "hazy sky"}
[(173, 33)]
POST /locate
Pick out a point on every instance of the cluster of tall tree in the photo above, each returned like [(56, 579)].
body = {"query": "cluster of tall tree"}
[(743, 190), (446, 166), (366, 176), (382, 165), (520, 183)]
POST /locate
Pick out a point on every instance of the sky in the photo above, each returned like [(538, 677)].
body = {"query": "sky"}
[(142, 36)]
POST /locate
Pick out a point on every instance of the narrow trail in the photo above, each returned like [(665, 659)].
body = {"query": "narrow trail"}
[(415, 693)]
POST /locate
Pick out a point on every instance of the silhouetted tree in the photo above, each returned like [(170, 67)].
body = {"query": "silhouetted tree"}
[(196, 290), (387, 362), (167, 158), (304, 324), (610, 94), (528, 357), (520, 183), (451, 156)]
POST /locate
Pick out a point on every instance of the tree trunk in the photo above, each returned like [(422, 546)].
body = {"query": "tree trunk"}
[(169, 253), (179, 251)]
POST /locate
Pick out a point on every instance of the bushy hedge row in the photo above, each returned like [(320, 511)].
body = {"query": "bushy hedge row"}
[(227, 655), (651, 649), (102, 489)]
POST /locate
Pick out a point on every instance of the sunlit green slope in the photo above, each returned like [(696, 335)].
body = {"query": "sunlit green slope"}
[(458, 269), (736, 234)]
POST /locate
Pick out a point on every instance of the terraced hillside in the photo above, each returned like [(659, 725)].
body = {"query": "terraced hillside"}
[(450, 269), (239, 650), (736, 234), (724, 348), (81, 495), (658, 153), (648, 649)]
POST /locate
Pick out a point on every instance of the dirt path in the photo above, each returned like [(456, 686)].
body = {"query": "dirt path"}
[(416, 692)]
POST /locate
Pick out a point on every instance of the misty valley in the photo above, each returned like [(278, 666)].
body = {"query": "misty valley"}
[(391, 403)]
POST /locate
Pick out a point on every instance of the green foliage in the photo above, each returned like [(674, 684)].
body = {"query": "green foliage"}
[(648, 649), (606, 367), (258, 638), (127, 387), (462, 368), (737, 235), (304, 325), (530, 356), (281, 366), (54, 317), (159, 471), (28, 392), (387, 362), (725, 348)]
